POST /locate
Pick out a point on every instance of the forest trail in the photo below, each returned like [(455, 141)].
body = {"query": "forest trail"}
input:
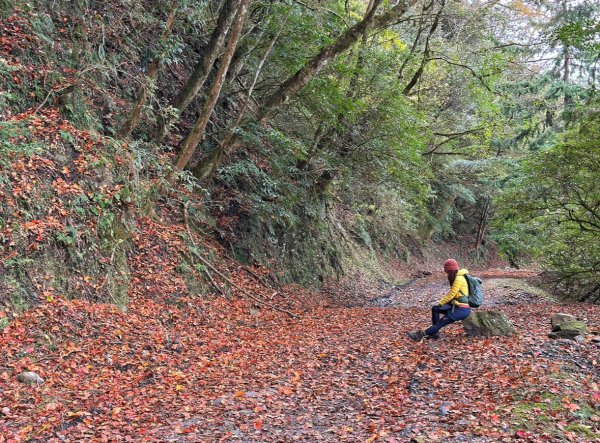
[(217, 373), (424, 289), (166, 167)]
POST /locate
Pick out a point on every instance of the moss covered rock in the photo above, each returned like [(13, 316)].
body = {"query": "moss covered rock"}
[(557, 319), (488, 324), (570, 329)]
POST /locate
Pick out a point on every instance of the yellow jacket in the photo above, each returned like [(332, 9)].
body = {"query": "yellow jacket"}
[(459, 292)]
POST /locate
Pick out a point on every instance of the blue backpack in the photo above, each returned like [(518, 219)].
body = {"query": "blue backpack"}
[(475, 291)]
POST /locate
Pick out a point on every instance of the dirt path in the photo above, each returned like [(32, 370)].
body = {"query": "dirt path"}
[(214, 373), (351, 375), (501, 288)]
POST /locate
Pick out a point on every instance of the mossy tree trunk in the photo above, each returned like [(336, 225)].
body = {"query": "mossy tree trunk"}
[(189, 143), (295, 83), (200, 73)]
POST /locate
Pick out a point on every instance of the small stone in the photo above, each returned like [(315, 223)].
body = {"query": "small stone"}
[(571, 329), (444, 410), (580, 339), (30, 378), (5, 410)]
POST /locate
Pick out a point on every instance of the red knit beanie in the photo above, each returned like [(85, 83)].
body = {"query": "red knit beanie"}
[(450, 265)]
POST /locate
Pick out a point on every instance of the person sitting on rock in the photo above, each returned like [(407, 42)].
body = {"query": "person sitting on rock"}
[(453, 307)]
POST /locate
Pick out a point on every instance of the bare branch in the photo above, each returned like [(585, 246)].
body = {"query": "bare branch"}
[(467, 67), (314, 8)]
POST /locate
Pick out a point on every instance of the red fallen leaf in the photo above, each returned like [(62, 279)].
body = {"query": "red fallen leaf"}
[(495, 418), (571, 406), (51, 406), (258, 424), (286, 390)]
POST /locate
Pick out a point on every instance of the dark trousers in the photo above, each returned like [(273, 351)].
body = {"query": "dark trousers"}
[(443, 315)]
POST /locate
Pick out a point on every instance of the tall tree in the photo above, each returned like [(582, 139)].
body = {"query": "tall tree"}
[(189, 143), (201, 70), (292, 85), (245, 100)]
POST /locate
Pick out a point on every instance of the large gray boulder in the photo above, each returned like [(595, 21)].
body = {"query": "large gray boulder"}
[(488, 324)]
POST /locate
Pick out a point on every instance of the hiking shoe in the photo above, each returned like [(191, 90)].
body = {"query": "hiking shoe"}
[(416, 336), (435, 336)]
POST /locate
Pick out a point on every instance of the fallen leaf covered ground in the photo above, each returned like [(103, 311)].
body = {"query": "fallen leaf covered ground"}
[(222, 370)]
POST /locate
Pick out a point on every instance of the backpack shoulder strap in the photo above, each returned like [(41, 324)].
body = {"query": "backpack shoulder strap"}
[(466, 276)]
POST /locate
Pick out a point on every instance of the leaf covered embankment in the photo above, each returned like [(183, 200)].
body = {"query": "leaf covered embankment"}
[(79, 218), (66, 210)]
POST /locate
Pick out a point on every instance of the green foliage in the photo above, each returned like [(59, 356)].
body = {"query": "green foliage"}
[(352, 152), (552, 211), (69, 237), (276, 218)]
